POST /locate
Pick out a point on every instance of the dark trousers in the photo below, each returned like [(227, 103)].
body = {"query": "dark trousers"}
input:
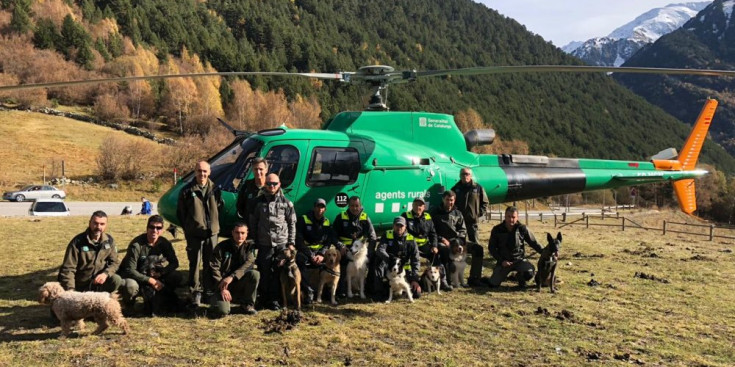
[(199, 251), (270, 283), (477, 252), (523, 268), (243, 291), (304, 263)]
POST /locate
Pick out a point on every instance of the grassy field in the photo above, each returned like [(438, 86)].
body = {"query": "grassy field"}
[(34, 140), (682, 317)]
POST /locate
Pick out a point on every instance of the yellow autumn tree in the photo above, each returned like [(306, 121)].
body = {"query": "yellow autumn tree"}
[(470, 119), (179, 95)]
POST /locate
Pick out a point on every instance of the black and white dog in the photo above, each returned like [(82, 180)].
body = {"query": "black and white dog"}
[(397, 280)]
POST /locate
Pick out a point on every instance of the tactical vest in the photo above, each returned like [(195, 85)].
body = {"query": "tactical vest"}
[(419, 240), (314, 246), (409, 237), (347, 241)]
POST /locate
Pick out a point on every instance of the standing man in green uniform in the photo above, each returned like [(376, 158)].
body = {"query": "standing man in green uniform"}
[(198, 213), (233, 271), (472, 202)]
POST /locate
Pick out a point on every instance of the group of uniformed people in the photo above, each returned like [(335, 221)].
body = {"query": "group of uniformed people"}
[(242, 269)]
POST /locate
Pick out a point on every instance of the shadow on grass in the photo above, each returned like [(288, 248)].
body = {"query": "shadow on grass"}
[(16, 320), (25, 286)]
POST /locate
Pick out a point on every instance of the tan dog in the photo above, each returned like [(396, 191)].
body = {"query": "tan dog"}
[(290, 276), (329, 273), (71, 307)]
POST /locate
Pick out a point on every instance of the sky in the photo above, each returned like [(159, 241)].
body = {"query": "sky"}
[(563, 21)]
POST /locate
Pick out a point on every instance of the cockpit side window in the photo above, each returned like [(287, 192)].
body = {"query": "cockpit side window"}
[(283, 160), (231, 165), (333, 166)]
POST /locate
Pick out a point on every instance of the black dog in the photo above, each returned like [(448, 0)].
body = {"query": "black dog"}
[(546, 274), (154, 301)]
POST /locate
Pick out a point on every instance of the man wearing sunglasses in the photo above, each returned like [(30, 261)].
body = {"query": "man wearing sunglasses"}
[(149, 270), (198, 213), (472, 202), (273, 223)]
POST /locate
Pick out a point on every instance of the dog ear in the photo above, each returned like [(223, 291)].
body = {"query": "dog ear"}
[(549, 238), (558, 236)]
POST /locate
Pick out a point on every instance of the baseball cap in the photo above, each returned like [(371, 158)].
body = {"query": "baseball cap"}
[(320, 201), (420, 199), (400, 220)]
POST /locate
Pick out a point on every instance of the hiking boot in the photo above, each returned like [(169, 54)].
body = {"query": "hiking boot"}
[(274, 306), (250, 310), (474, 282), (196, 300)]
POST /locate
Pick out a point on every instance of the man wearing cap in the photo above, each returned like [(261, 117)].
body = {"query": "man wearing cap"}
[(274, 225), (472, 202), (397, 243), (314, 235), (420, 226)]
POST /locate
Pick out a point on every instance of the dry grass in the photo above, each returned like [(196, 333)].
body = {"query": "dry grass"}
[(626, 320), (33, 140)]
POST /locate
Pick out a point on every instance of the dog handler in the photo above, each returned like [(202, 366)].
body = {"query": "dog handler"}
[(507, 247), (234, 274), (350, 226), (314, 235), (449, 225), (90, 262), (161, 284), (397, 243), (421, 227), (274, 225)]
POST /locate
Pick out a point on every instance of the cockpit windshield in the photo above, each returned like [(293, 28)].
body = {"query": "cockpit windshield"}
[(230, 166)]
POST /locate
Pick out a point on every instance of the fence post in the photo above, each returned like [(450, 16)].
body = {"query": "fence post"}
[(554, 220), (602, 213), (664, 227), (617, 215), (587, 220), (711, 232), (564, 217), (541, 217), (623, 224)]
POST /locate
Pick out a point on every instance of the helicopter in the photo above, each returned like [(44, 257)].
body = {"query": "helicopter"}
[(389, 158)]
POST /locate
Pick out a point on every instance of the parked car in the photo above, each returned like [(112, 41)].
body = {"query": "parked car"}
[(34, 192), (49, 208)]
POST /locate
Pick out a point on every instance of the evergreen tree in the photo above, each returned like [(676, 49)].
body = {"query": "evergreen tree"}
[(21, 19)]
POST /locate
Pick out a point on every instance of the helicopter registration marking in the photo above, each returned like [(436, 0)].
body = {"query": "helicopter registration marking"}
[(650, 174), (436, 123)]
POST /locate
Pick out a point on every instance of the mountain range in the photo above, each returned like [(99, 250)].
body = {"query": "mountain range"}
[(707, 41), (617, 47)]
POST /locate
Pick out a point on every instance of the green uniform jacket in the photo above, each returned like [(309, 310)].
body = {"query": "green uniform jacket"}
[(508, 245), (198, 211), (85, 259), (449, 224), (471, 201), (139, 250), (230, 260)]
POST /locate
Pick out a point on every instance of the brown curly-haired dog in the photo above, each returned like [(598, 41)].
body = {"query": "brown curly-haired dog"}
[(72, 307)]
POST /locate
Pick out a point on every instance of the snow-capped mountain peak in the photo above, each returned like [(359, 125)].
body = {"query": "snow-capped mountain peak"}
[(626, 40)]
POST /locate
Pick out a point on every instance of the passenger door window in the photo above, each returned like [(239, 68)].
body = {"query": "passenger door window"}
[(333, 166)]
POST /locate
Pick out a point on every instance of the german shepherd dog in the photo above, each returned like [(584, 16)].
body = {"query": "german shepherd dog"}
[(546, 274), (290, 276)]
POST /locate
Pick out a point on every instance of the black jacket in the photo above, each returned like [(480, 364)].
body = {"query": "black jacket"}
[(508, 245), (421, 228), (449, 224), (403, 247), (471, 201), (312, 233)]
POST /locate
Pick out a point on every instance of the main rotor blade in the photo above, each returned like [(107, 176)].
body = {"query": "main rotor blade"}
[(572, 69), (328, 76)]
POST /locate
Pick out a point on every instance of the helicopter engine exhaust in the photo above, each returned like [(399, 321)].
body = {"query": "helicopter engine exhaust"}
[(476, 138)]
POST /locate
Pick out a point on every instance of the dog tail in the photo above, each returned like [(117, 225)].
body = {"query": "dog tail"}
[(687, 158)]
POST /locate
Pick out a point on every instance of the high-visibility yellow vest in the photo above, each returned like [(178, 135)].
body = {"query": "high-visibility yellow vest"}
[(409, 237), (347, 241), (314, 246), (419, 241)]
